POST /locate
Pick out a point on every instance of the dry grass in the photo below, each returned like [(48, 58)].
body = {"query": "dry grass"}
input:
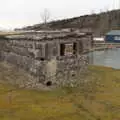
[(9, 33), (97, 100)]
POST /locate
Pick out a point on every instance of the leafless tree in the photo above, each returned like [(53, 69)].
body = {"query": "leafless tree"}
[(106, 9), (92, 12), (45, 16)]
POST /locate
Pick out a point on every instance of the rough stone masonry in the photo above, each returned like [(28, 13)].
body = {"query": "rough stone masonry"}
[(54, 57)]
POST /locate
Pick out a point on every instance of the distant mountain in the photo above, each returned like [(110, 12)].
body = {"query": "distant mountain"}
[(98, 23)]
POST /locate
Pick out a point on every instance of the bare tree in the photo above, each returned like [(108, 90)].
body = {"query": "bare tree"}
[(92, 12), (45, 16)]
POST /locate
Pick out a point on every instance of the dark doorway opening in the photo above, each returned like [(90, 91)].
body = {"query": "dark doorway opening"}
[(75, 48), (62, 49)]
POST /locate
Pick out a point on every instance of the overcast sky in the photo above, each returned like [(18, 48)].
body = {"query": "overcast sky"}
[(19, 13)]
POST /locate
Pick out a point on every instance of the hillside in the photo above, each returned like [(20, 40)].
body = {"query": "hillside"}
[(98, 23), (97, 100)]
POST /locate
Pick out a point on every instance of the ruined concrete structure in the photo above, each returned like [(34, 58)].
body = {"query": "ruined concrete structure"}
[(54, 57)]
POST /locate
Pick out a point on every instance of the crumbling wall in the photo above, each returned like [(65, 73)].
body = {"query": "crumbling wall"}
[(41, 60)]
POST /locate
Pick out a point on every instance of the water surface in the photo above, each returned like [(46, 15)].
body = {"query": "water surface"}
[(109, 58)]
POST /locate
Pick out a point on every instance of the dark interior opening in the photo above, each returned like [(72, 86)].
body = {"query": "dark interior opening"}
[(73, 75), (49, 83), (74, 48), (62, 49), (42, 59)]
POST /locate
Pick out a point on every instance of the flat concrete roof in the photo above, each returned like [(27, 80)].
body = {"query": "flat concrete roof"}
[(45, 36)]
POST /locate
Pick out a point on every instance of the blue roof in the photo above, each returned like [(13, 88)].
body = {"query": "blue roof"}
[(114, 32)]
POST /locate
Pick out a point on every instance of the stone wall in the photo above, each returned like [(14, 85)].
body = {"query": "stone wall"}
[(43, 61)]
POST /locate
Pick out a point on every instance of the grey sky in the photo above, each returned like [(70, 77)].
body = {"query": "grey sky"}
[(19, 13)]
